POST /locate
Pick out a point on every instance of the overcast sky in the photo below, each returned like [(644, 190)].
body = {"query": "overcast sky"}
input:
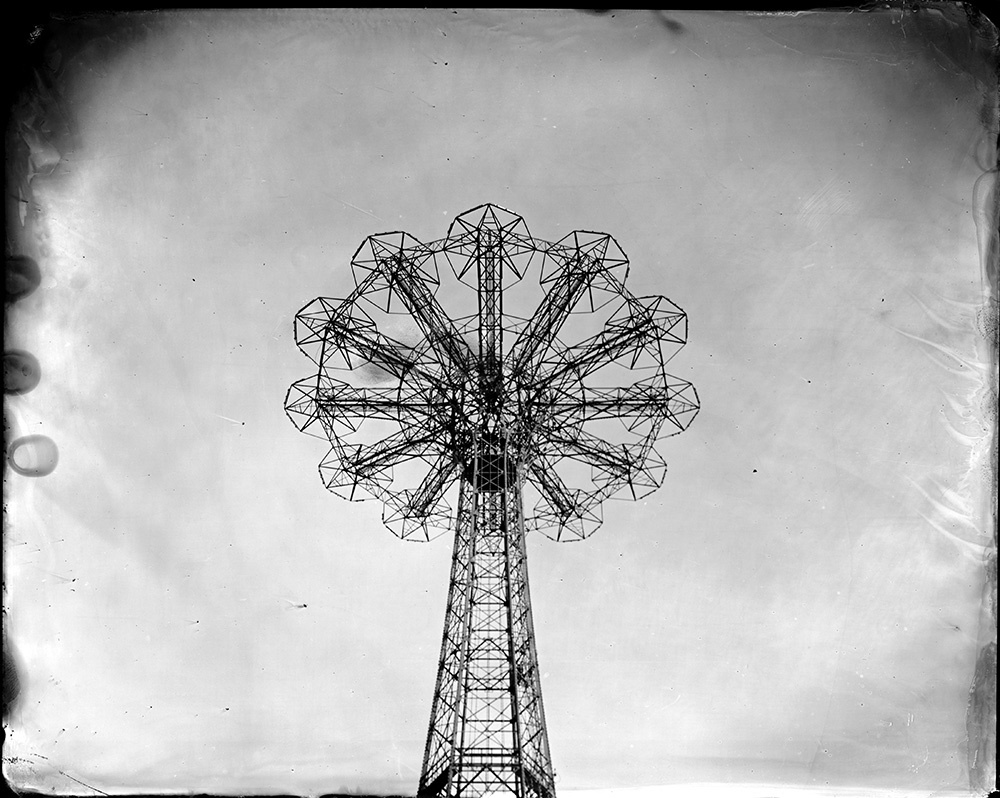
[(798, 605)]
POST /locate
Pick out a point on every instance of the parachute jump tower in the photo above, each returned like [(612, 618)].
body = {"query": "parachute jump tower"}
[(544, 387)]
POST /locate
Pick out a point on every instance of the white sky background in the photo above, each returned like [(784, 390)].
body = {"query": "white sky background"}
[(798, 605)]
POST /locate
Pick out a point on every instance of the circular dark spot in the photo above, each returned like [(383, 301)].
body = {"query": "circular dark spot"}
[(21, 278), (21, 371)]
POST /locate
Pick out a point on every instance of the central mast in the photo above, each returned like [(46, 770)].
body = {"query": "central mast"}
[(487, 730)]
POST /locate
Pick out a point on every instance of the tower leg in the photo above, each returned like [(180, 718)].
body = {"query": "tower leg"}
[(487, 729)]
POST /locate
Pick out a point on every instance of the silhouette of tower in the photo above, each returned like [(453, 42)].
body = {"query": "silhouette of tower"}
[(553, 392)]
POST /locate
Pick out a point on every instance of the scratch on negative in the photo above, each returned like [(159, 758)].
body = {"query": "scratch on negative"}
[(82, 782), (362, 210)]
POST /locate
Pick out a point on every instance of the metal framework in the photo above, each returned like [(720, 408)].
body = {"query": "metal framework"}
[(548, 392)]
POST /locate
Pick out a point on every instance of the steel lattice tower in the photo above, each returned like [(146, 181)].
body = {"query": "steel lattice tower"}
[(455, 421)]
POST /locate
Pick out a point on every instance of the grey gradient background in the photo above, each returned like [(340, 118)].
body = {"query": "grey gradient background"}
[(800, 604)]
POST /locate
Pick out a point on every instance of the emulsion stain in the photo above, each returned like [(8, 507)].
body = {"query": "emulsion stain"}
[(33, 456), (670, 23), (11, 678), (21, 277), (21, 372)]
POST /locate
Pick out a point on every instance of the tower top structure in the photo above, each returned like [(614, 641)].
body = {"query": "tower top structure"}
[(573, 378)]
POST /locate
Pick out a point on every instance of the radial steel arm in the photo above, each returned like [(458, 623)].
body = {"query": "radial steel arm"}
[(586, 448), (406, 444), (420, 502), (637, 324), (363, 340), (392, 404), (562, 296), (675, 401), (444, 339), (553, 489)]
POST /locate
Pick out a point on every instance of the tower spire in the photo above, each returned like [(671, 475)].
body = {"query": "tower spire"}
[(460, 437)]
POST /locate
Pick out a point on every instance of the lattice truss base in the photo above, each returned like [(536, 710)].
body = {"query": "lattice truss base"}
[(531, 377), (487, 731)]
